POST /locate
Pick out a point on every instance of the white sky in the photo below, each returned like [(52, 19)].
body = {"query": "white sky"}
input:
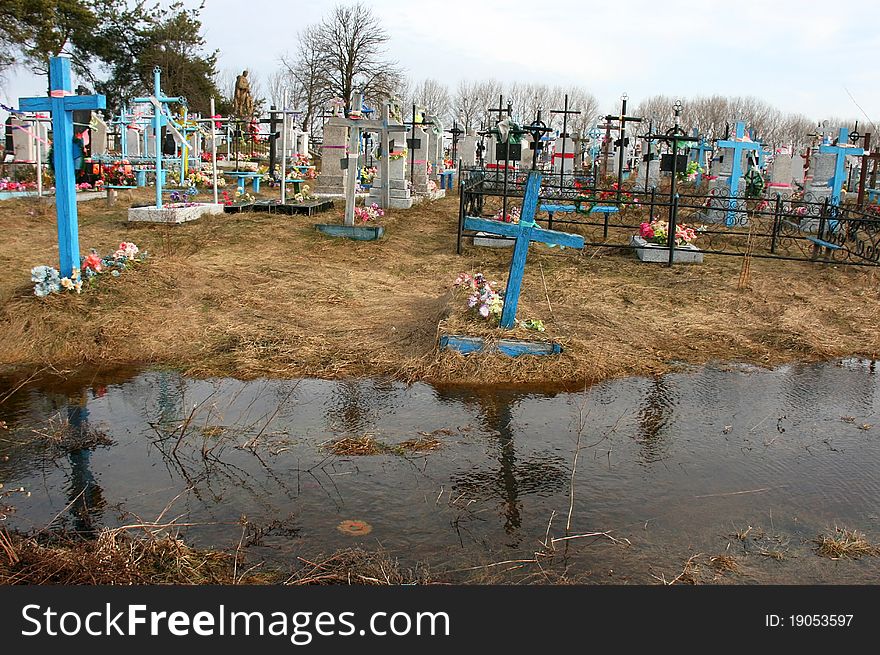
[(799, 55)]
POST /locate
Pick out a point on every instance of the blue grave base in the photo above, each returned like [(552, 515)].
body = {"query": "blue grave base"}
[(510, 347), (10, 195), (356, 232)]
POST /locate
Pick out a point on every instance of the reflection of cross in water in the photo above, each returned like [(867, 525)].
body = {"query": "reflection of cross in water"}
[(84, 495), (512, 478), (170, 400), (653, 418), (355, 405), (352, 411)]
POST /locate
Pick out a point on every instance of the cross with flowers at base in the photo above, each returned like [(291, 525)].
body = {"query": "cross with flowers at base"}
[(62, 103), (524, 232)]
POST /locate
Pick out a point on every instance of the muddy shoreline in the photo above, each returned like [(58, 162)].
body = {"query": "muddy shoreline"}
[(258, 295)]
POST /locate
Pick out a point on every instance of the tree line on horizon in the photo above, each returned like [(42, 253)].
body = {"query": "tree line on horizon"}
[(115, 44)]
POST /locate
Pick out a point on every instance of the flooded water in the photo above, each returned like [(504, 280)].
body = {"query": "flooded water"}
[(735, 461)]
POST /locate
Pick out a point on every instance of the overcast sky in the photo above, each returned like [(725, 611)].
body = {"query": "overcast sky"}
[(799, 55)]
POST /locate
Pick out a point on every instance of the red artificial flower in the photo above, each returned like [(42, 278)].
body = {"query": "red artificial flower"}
[(92, 261)]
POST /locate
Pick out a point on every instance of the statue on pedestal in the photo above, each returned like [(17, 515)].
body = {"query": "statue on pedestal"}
[(242, 101)]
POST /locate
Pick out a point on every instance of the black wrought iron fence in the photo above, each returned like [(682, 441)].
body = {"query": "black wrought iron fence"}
[(801, 227)]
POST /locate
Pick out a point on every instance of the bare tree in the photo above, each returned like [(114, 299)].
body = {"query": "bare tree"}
[(278, 81), (351, 42), (306, 71), (434, 96), (466, 104), (579, 99)]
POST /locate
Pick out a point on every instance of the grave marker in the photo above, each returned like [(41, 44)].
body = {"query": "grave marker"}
[(839, 152), (732, 160), (524, 233), (62, 103), (158, 100)]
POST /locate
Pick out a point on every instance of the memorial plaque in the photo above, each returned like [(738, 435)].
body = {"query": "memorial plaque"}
[(666, 163), (508, 151)]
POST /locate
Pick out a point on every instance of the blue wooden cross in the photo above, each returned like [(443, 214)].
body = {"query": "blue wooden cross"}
[(524, 232), (698, 154), (62, 103), (736, 172), (841, 150), (159, 119)]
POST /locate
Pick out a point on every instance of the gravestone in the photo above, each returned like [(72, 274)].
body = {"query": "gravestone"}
[(22, 140), (99, 136), (649, 172), (524, 232), (781, 173), (333, 177), (417, 142), (399, 193), (527, 152), (435, 145), (821, 173), (300, 142), (133, 142), (467, 148), (563, 155)]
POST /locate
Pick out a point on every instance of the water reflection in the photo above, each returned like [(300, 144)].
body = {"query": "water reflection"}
[(356, 406), (84, 495), (506, 455), (655, 414), (512, 479)]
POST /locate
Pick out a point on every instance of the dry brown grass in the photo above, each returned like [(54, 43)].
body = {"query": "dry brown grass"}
[(368, 445), (253, 295), (845, 544), (357, 446), (115, 557), (356, 566), (422, 444)]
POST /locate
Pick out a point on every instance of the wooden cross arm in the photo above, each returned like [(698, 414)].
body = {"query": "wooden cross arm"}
[(71, 103), (550, 237), (848, 150), (750, 145)]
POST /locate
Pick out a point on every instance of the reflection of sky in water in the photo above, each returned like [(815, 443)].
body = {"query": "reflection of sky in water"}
[(672, 463)]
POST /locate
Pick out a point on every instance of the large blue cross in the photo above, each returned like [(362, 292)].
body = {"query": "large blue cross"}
[(159, 119), (62, 103), (736, 172), (524, 232), (841, 150)]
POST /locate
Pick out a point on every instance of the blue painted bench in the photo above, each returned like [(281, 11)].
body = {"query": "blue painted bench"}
[(873, 195), (825, 244), (445, 178), (569, 209), (242, 176)]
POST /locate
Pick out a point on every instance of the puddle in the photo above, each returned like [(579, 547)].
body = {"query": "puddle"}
[(736, 461)]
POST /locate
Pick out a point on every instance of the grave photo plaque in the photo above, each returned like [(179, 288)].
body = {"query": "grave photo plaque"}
[(508, 151), (666, 163)]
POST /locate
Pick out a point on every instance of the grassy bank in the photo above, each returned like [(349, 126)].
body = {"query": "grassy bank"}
[(250, 295)]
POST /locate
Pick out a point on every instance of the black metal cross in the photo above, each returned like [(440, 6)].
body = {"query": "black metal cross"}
[(565, 111), (456, 132), (273, 121), (412, 143), (622, 141), (537, 129)]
